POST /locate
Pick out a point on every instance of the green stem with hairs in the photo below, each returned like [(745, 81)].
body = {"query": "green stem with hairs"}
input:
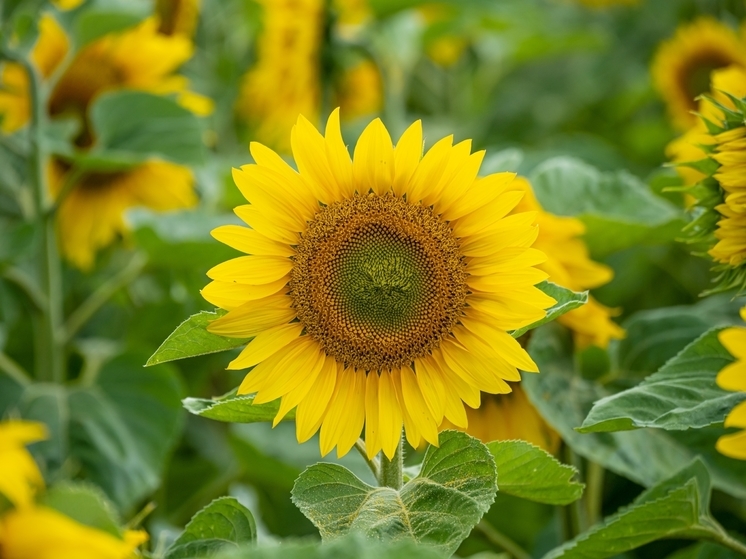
[(391, 471)]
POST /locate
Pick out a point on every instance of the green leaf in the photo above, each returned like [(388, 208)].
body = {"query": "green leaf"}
[(353, 545), (86, 504), (235, 408), (677, 507), (439, 507), (567, 300), (682, 395), (618, 210), (223, 523), (131, 127), (528, 472), (644, 456), (118, 432), (191, 338), (657, 335)]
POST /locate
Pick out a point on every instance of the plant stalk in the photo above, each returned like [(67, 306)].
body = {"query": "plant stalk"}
[(391, 471), (501, 541), (50, 360), (372, 464), (726, 540), (594, 492)]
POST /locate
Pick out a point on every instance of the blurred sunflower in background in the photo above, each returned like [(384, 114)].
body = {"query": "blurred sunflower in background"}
[(177, 17), (682, 65), (141, 58), (30, 530), (733, 377), (512, 416), (379, 290)]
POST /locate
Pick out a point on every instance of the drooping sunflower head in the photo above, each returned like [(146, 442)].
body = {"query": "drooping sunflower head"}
[(720, 207), (379, 289), (683, 65)]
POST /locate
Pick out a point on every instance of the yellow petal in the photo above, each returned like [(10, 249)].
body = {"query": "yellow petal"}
[(412, 431), (483, 191), (256, 219), (261, 187), (407, 155), (432, 388), (312, 408), (309, 152), (476, 370), (228, 295), (417, 407), (506, 260), (295, 396), (250, 241), (733, 377), (481, 220), (301, 356), (345, 414), (252, 270), (389, 415), (733, 446), (253, 317), (429, 171), (503, 343), (266, 344), (340, 162), (373, 163), (372, 416), (734, 340)]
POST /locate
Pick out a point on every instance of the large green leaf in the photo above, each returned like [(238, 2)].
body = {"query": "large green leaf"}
[(235, 408), (644, 456), (677, 507), (567, 300), (353, 545), (657, 335), (118, 431), (439, 507), (223, 523), (132, 126), (526, 471), (191, 338), (682, 395), (619, 210)]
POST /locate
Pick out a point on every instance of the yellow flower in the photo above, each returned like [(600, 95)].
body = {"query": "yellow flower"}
[(379, 289), (733, 377), (177, 17), (67, 4), (682, 66), (43, 533), (19, 476), (49, 50), (91, 217), (352, 13), (285, 82), (569, 265), (445, 48), (507, 417), (360, 90)]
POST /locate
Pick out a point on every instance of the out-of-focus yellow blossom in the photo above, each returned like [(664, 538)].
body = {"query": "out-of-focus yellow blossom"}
[(67, 4), (285, 81), (569, 265), (351, 16), (139, 58), (733, 377), (28, 531), (683, 65), (446, 48), (177, 17), (92, 215), (505, 417), (20, 478), (359, 91), (50, 49)]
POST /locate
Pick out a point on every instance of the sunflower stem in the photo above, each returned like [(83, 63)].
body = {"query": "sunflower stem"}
[(594, 493), (501, 541), (374, 464), (391, 472), (49, 347)]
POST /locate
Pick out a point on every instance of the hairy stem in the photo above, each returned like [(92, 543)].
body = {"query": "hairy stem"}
[(391, 472), (501, 541), (374, 464)]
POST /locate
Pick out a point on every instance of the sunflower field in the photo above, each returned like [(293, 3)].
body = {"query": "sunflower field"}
[(398, 279)]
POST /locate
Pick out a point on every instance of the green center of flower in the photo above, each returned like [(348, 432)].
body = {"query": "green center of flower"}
[(378, 282)]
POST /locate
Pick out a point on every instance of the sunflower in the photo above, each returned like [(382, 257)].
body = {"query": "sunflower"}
[(720, 206), (506, 417), (92, 215), (67, 4), (177, 17), (733, 377), (29, 530), (379, 290), (682, 66), (286, 80), (359, 90), (139, 58), (569, 265)]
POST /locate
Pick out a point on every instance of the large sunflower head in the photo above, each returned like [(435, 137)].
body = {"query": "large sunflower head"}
[(683, 65), (569, 264), (733, 377), (720, 206), (379, 289)]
